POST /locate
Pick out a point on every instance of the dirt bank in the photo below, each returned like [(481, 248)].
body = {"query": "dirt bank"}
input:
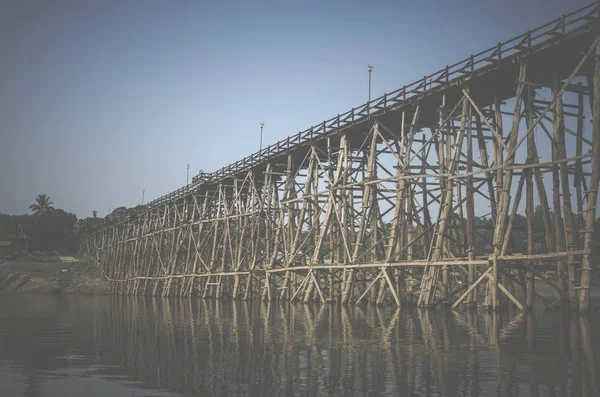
[(65, 275)]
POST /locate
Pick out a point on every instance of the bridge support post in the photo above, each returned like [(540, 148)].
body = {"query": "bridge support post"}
[(359, 207), (592, 193)]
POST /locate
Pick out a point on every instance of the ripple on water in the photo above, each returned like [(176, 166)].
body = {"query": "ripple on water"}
[(123, 346)]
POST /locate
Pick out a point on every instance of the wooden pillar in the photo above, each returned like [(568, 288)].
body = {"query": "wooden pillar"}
[(556, 203), (579, 177), (446, 184), (559, 134), (529, 208), (472, 300), (592, 193)]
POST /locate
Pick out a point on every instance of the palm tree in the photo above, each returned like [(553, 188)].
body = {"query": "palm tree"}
[(42, 205)]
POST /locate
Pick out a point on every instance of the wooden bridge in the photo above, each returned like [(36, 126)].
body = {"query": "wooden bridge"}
[(413, 196)]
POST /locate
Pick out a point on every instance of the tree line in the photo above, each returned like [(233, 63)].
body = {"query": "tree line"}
[(52, 229), (47, 228)]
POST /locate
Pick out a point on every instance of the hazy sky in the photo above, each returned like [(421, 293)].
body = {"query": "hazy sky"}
[(100, 99)]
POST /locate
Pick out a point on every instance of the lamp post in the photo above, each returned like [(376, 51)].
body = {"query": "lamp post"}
[(187, 175), (143, 191), (370, 68), (261, 132)]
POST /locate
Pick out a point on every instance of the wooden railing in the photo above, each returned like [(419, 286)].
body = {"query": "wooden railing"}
[(520, 45)]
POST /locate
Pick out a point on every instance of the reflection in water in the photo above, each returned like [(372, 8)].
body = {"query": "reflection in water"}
[(140, 345)]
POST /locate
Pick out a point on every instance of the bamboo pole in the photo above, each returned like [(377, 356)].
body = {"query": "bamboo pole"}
[(592, 193), (470, 199), (529, 210), (568, 223)]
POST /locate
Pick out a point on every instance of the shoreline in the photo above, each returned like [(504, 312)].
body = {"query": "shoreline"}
[(65, 275), (80, 275)]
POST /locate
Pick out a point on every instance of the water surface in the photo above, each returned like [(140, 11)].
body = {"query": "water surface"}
[(140, 346)]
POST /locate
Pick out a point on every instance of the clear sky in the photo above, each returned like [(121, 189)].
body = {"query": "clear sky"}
[(101, 99)]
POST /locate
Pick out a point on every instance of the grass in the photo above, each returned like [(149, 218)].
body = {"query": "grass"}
[(83, 267)]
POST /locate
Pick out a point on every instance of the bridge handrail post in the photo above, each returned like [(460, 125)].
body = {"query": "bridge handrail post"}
[(587, 15)]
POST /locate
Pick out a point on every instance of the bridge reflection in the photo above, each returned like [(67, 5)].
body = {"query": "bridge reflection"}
[(247, 348)]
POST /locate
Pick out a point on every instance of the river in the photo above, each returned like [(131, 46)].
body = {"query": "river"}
[(140, 346)]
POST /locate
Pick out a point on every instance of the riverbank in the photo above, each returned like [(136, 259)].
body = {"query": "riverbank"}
[(52, 275)]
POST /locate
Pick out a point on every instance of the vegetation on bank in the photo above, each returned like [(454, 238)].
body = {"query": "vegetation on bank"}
[(52, 274), (484, 235), (34, 248), (48, 228), (49, 232), (79, 265)]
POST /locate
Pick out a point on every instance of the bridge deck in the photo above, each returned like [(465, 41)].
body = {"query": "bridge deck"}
[(490, 74)]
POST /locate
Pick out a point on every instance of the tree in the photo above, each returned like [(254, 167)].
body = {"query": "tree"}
[(116, 215), (53, 231), (88, 225), (95, 214), (12, 225), (42, 205)]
